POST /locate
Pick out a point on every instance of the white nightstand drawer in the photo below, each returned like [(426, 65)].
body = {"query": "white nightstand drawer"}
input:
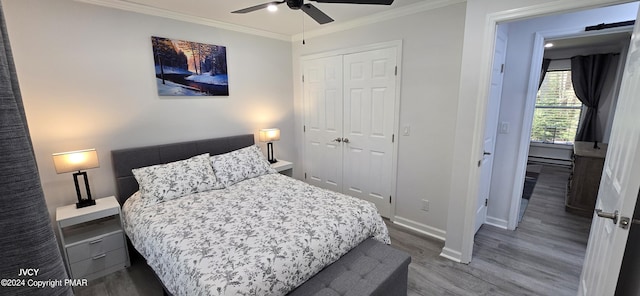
[(98, 263), (95, 247), (92, 239)]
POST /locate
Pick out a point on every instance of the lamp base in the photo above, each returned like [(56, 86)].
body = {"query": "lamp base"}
[(81, 201), (85, 203), (270, 157)]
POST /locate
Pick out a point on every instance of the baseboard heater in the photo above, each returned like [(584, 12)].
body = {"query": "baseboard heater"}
[(549, 160)]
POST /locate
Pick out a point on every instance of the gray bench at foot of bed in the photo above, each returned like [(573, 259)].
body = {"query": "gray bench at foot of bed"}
[(371, 268)]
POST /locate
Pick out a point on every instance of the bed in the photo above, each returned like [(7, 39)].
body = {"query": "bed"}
[(263, 235)]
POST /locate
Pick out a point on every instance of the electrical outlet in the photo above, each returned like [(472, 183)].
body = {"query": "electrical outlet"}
[(425, 205)]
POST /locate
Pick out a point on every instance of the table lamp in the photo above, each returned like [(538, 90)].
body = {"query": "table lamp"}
[(269, 135), (66, 162)]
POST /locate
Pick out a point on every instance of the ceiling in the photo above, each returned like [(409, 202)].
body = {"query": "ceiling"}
[(590, 41), (284, 23)]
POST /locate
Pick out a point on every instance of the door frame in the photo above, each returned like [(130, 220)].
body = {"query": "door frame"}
[(459, 245), (397, 44), (530, 102), (504, 31)]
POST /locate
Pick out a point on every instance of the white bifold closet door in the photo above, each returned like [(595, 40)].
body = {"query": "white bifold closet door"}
[(349, 121), (323, 122)]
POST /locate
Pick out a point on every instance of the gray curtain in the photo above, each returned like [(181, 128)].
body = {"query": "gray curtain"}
[(543, 71), (27, 239), (588, 74)]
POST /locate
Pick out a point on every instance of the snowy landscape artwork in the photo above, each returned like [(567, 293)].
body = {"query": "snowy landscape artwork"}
[(185, 68)]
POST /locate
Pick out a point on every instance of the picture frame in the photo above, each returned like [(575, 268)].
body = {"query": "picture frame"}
[(187, 68)]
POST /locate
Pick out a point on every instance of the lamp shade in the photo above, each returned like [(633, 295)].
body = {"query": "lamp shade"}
[(71, 161), (269, 134)]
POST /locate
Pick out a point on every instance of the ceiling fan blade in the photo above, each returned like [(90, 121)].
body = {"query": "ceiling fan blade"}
[(257, 7), (376, 2), (316, 14)]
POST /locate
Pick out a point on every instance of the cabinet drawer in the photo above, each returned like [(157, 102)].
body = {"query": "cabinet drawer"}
[(92, 248), (98, 262)]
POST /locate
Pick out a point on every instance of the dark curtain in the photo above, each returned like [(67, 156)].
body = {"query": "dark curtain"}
[(27, 239), (588, 74), (543, 71)]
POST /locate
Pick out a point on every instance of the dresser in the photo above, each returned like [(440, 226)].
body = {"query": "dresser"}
[(587, 164)]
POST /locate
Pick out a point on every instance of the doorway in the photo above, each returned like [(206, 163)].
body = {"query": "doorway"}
[(592, 271), (524, 59), (558, 113)]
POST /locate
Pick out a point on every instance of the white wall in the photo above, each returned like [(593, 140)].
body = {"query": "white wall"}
[(514, 92), (87, 78), (432, 44), (481, 15)]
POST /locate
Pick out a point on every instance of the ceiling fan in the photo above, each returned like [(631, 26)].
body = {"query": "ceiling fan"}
[(311, 10)]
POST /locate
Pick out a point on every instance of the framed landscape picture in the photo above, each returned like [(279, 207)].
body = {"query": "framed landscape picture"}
[(185, 68)]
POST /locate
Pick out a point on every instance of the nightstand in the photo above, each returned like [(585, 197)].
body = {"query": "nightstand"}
[(283, 167), (93, 241)]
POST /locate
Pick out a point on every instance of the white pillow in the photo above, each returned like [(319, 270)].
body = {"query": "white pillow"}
[(176, 179), (241, 164)]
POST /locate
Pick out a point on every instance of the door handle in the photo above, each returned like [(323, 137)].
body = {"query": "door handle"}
[(626, 221), (346, 140), (486, 153), (337, 140), (613, 216)]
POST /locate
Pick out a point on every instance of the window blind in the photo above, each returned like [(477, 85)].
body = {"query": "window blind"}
[(557, 111)]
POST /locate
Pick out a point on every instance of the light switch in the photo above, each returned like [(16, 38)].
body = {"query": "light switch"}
[(425, 205), (406, 130), (504, 127)]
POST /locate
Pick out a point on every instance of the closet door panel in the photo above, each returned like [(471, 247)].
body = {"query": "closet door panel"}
[(369, 106), (323, 104)]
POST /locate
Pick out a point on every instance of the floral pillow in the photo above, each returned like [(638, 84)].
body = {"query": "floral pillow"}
[(176, 179), (241, 164)]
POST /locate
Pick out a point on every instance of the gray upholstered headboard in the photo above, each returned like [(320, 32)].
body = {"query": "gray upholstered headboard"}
[(125, 160)]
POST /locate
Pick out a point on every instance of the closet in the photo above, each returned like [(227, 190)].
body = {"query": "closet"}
[(350, 116)]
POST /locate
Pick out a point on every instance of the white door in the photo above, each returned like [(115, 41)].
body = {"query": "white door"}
[(619, 185), (323, 122), (369, 107), (491, 126)]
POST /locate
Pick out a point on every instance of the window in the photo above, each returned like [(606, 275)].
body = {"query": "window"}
[(557, 111)]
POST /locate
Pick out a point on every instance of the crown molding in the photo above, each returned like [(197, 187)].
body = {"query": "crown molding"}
[(363, 21), (144, 9), (378, 17)]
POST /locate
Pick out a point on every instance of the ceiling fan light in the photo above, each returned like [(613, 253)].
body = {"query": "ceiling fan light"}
[(272, 7)]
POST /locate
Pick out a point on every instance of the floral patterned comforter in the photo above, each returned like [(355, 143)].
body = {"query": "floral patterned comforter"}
[(262, 236)]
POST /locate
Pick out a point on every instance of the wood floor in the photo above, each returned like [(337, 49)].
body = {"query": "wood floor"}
[(542, 257)]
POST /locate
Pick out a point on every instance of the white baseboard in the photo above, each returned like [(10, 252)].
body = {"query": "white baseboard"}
[(500, 223), (421, 228), (451, 255)]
